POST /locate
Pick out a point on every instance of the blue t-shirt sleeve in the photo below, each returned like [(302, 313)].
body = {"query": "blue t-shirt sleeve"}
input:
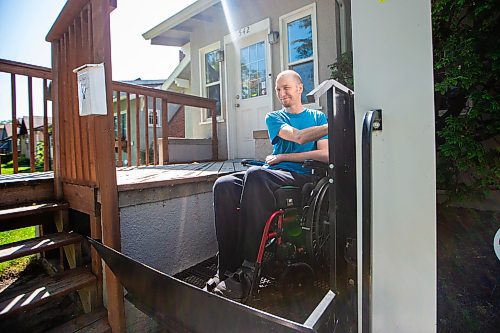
[(274, 125)]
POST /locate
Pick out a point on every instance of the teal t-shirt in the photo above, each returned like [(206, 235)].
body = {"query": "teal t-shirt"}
[(277, 119)]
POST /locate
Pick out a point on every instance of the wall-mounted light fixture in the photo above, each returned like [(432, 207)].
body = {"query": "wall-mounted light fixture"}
[(219, 56), (273, 37)]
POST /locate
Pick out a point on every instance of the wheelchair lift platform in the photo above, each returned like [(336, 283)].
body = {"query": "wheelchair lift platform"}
[(181, 307)]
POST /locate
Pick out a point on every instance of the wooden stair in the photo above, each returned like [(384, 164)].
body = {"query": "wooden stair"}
[(95, 322), (29, 215), (42, 290), (37, 245), (24, 296)]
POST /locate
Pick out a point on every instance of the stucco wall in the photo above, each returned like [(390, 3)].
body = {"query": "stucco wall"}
[(169, 228)]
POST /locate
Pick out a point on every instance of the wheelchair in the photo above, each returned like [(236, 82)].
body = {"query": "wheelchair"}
[(294, 243)]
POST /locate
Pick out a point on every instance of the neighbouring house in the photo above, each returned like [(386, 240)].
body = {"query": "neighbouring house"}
[(176, 120), (232, 52), (38, 133), (6, 138)]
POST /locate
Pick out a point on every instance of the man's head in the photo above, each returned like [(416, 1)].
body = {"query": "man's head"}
[(289, 89)]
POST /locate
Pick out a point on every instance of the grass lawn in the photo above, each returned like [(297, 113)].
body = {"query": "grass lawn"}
[(9, 170), (15, 266)]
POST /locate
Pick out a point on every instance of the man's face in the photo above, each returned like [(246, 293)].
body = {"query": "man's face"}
[(288, 90)]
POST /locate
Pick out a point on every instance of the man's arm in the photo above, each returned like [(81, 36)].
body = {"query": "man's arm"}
[(320, 154), (309, 134)]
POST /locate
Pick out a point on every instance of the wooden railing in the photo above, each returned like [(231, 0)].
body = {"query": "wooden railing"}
[(34, 131), (138, 133), (137, 125)]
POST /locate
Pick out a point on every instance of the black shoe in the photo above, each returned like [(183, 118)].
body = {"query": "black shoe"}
[(237, 286)]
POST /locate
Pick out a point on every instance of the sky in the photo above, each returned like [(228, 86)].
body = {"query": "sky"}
[(25, 23)]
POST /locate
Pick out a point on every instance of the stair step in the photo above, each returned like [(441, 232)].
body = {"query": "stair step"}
[(95, 322), (35, 214), (21, 211), (37, 245), (42, 289)]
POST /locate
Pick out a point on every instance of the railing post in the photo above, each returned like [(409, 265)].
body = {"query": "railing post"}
[(164, 133), (215, 140), (46, 138), (14, 122), (105, 159)]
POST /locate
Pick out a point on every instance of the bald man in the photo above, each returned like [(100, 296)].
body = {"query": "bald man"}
[(297, 134)]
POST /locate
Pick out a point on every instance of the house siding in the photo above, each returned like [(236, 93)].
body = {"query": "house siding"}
[(245, 13)]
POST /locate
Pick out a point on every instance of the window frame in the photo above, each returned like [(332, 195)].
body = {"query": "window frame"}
[(151, 119), (205, 119), (284, 20)]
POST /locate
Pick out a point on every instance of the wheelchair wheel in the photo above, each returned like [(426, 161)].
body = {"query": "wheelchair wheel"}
[(318, 226)]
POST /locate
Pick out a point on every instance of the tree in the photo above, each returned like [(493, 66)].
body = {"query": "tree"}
[(466, 71)]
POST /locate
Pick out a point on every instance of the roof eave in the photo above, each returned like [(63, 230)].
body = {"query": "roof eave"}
[(182, 16)]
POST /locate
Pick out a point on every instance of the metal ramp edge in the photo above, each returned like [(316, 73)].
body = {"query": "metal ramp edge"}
[(176, 304)]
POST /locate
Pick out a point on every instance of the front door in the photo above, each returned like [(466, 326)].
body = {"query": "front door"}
[(249, 89)]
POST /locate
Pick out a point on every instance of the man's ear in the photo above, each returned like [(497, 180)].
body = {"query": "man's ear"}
[(301, 87)]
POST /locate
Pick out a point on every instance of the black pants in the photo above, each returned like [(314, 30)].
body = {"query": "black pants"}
[(252, 191)]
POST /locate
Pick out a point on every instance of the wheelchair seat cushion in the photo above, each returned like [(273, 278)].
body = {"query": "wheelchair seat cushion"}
[(288, 196)]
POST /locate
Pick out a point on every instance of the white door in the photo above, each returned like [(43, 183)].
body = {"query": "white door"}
[(249, 90)]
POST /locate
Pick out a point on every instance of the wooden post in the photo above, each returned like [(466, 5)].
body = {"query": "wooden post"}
[(215, 141), (164, 132), (105, 163), (93, 16)]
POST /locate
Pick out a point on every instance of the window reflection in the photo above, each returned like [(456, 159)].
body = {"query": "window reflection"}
[(300, 39), (212, 67), (253, 70), (306, 71)]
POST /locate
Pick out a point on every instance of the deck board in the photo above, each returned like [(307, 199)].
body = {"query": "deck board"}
[(136, 178), (142, 177)]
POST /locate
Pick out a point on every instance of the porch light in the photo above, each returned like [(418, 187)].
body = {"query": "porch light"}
[(219, 56), (273, 37)]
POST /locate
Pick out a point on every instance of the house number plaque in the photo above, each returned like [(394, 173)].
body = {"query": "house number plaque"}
[(244, 31)]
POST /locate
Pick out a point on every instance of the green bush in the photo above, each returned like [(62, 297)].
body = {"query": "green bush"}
[(22, 160), (6, 158), (341, 70), (467, 106), (466, 72)]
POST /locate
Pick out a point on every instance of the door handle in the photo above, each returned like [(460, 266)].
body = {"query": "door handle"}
[(237, 105)]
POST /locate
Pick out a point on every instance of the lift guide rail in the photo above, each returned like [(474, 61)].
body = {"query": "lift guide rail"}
[(181, 307)]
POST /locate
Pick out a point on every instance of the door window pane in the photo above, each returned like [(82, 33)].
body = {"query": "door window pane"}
[(300, 44), (253, 70), (306, 71)]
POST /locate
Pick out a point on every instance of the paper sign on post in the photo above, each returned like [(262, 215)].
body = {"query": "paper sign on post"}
[(91, 89)]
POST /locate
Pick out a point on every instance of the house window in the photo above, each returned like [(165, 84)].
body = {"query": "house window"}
[(299, 46), (123, 125), (151, 118), (211, 81)]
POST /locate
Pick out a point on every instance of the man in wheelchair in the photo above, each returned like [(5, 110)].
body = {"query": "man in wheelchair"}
[(243, 201)]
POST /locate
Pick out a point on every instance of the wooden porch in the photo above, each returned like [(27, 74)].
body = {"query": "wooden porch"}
[(143, 177), (86, 154)]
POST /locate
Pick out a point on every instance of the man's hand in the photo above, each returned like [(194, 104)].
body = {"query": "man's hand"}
[(273, 159)]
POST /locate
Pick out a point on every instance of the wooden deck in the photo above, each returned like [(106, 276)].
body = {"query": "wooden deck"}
[(137, 178)]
